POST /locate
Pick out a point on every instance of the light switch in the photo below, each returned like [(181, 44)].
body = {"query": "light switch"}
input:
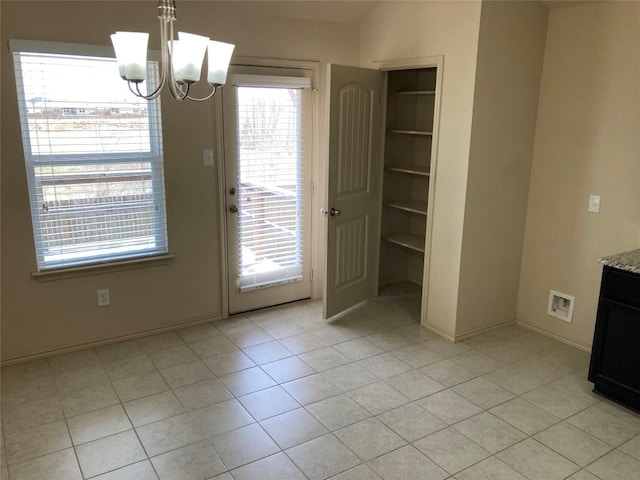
[(207, 158), (594, 203)]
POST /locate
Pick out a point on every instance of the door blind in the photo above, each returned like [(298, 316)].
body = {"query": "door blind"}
[(93, 153), (270, 185)]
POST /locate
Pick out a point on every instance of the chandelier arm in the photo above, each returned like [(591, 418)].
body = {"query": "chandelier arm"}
[(163, 56), (156, 93), (138, 93), (213, 92), (131, 89), (174, 88), (184, 93), (177, 92)]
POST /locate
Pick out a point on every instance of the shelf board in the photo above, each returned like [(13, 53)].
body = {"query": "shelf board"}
[(416, 92), (419, 133), (413, 206), (410, 169), (407, 240)]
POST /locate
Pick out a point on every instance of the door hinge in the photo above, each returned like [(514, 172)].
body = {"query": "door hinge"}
[(311, 275), (313, 188)]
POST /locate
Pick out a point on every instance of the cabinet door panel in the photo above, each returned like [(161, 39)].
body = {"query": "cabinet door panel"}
[(621, 286), (615, 357)]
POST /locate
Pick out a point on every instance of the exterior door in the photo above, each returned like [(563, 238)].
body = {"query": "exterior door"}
[(267, 137), (353, 188)]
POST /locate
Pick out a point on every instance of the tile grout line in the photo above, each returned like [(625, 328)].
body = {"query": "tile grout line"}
[(236, 397)]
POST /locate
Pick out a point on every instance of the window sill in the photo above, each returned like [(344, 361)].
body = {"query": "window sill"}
[(99, 269)]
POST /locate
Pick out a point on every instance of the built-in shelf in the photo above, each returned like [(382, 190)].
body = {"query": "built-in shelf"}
[(411, 103), (410, 169), (416, 92), (418, 133), (413, 206), (407, 240)]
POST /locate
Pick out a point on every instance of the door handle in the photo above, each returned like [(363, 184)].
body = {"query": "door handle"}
[(334, 212), (233, 209)]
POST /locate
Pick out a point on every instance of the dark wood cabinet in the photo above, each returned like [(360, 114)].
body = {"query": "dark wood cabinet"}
[(615, 357)]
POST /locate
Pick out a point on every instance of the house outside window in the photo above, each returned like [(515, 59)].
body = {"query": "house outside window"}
[(93, 155)]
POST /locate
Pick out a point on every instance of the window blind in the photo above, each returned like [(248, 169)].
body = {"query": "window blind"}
[(93, 154), (270, 81), (270, 173)]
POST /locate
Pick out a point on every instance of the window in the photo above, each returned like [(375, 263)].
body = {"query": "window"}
[(93, 153)]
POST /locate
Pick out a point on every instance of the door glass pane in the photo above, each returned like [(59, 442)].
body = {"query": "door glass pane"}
[(269, 186)]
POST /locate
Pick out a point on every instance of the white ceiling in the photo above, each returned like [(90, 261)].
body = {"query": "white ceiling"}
[(351, 12)]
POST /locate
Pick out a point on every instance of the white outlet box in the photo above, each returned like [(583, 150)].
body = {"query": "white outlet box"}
[(103, 297), (561, 306)]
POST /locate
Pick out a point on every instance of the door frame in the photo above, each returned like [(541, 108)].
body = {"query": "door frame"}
[(219, 150), (436, 61)]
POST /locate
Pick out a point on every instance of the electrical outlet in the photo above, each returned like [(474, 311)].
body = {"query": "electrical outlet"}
[(103, 297), (594, 203)]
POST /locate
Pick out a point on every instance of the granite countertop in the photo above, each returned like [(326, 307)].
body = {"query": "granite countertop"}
[(629, 261)]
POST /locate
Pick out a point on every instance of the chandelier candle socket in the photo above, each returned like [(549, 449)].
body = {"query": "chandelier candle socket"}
[(181, 59)]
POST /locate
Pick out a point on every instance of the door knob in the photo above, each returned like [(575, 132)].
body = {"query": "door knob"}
[(233, 209), (334, 212), (232, 191)]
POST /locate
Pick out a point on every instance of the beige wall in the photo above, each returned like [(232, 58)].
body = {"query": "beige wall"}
[(509, 67), (402, 30), (38, 317), (586, 142)]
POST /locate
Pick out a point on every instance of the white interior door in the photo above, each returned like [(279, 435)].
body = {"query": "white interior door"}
[(353, 187), (267, 137)]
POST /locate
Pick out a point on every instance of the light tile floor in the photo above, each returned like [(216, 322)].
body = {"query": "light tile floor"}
[(281, 394)]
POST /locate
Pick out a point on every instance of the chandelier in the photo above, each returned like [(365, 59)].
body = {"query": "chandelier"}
[(181, 59)]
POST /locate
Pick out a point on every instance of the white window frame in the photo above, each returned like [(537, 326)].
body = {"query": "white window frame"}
[(154, 157)]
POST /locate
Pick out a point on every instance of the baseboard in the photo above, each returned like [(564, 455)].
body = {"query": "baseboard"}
[(440, 333), (479, 331), (401, 280), (566, 341), (472, 333), (392, 281), (108, 341)]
